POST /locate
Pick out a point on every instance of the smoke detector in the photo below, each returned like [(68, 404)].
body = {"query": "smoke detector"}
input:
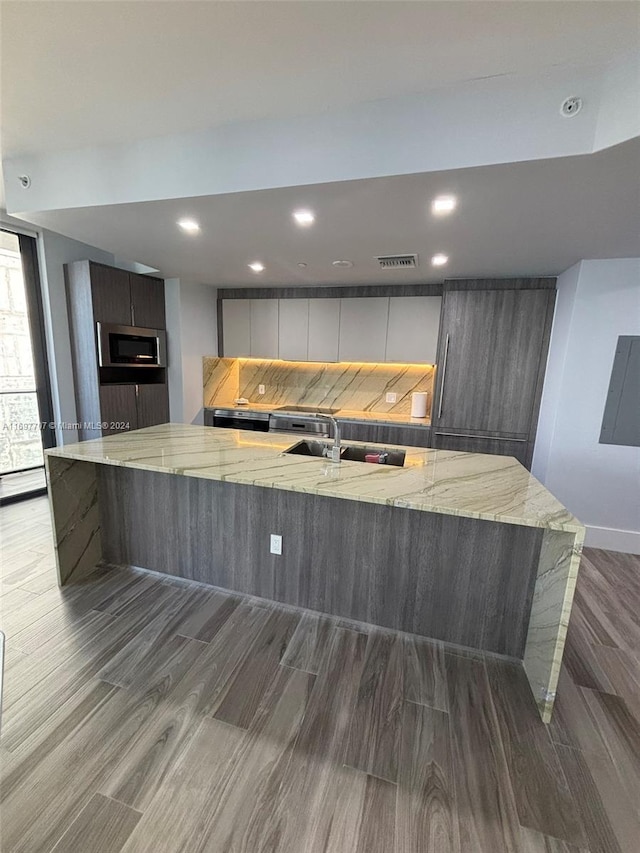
[(391, 262), (571, 106)]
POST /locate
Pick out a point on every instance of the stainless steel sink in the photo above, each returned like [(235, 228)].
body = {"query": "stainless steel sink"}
[(351, 452), (309, 448), (386, 455)]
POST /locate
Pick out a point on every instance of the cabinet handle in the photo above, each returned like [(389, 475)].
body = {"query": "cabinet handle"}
[(137, 388), (475, 435), (133, 314), (444, 370)]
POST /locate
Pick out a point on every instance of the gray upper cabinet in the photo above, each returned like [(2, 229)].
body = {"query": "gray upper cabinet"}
[(264, 328), (412, 332), (110, 291), (492, 356), (370, 329), (293, 329), (324, 329), (124, 298), (363, 329), (147, 302), (236, 318)]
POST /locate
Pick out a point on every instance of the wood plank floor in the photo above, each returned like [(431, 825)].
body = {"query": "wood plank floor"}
[(144, 714), (18, 484)]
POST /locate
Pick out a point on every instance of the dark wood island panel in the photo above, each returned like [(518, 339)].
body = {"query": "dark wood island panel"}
[(461, 580)]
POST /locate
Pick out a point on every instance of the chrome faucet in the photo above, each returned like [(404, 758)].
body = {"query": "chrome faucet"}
[(333, 452)]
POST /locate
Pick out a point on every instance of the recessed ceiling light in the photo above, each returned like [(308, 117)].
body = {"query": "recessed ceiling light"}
[(256, 266), (302, 265), (304, 217), (189, 225), (439, 260), (443, 204), (342, 264)]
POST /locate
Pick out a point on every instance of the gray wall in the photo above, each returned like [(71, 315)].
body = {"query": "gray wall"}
[(191, 334), (598, 300), (55, 251)]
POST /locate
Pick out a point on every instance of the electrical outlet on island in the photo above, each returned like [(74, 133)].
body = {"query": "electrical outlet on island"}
[(275, 543), (261, 389), (391, 397)]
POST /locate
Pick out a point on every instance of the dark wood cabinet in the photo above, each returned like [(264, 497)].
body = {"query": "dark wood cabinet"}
[(110, 294), (492, 351), (482, 444), (491, 354), (118, 296), (133, 406), (97, 293), (385, 433), (118, 408), (147, 301), (153, 405)]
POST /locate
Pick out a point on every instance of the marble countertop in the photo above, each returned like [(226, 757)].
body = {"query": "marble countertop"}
[(473, 485), (341, 414)]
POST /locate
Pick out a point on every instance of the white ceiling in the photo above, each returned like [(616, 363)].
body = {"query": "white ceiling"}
[(530, 218), (87, 73)]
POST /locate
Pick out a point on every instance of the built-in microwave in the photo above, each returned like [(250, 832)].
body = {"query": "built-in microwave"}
[(131, 346)]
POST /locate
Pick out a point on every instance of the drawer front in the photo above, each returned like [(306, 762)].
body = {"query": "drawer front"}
[(386, 434), (483, 444)]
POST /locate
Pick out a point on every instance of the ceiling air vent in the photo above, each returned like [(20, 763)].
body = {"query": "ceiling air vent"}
[(393, 262)]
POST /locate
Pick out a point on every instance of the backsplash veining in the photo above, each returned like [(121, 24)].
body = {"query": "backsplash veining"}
[(343, 385)]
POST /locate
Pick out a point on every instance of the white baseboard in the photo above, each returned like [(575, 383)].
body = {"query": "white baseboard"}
[(627, 541)]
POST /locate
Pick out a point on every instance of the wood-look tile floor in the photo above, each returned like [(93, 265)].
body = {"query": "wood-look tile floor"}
[(148, 714)]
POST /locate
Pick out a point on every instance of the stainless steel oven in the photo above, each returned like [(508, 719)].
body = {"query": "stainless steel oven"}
[(131, 346), (290, 421), (237, 419)]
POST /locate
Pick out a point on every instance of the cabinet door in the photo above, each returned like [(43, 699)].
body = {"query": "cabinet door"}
[(111, 295), (324, 329), (147, 302), (293, 329), (404, 435), (264, 328), (153, 405), (412, 332), (363, 329), (491, 356), (236, 327), (118, 408), (482, 444)]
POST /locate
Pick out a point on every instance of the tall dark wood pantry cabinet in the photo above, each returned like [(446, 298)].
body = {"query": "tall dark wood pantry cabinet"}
[(110, 398), (492, 352)]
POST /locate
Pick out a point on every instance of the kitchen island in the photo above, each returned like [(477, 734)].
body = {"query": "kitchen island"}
[(469, 549)]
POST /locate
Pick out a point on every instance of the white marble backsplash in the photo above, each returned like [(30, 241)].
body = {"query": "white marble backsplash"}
[(343, 385)]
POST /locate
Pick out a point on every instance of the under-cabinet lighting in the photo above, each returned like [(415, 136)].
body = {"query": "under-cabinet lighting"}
[(305, 364)]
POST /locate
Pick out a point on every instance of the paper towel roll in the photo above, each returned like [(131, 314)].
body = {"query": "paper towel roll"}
[(419, 404)]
